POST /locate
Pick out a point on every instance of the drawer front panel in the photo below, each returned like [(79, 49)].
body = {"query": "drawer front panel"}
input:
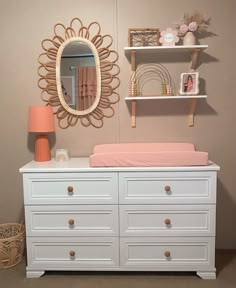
[(167, 187), (73, 220), (167, 253), (73, 252), (71, 188), (167, 220)]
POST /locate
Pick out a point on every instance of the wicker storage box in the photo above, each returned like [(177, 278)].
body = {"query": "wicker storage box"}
[(12, 243)]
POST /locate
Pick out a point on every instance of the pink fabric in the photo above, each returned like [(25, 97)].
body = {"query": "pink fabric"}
[(86, 86), (147, 154), (143, 147)]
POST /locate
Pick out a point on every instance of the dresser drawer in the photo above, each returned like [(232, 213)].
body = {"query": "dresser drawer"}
[(51, 253), (73, 220), (70, 188), (167, 220), (167, 187), (180, 253)]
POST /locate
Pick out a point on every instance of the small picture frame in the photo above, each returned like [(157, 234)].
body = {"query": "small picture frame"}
[(189, 83), (140, 37), (169, 37), (62, 155)]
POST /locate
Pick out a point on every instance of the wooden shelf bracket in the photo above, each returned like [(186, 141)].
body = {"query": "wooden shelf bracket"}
[(192, 108), (194, 57), (133, 104)]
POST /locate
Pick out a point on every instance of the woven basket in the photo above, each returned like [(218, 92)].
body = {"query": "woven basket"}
[(12, 243)]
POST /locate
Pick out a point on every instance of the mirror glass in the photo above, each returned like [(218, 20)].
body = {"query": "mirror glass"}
[(78, 76)]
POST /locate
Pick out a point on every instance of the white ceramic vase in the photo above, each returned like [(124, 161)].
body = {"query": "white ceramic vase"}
[(189, 39)]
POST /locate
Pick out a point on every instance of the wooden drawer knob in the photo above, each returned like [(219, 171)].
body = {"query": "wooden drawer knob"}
[(71, 221), (167, 221), (70, 189), (167, 253), (167, 188), (72, 253)]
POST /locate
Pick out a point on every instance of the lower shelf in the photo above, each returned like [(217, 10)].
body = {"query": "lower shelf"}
[(166, 97), (192, 107)]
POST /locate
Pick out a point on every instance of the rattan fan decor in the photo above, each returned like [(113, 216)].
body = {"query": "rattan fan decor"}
[(12, 244), (138, 37)]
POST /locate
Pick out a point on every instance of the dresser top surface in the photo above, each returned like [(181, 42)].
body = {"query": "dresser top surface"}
[(82, 165)]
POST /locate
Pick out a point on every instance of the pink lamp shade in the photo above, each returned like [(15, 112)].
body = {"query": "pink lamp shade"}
[(41, 120)]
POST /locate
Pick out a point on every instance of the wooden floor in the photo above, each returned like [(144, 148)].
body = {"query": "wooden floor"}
[(226, 277)]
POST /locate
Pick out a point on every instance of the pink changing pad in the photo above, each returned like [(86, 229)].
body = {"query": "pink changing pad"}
[(147, 154)]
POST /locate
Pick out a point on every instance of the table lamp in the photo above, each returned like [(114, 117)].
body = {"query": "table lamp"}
[(41, 120)]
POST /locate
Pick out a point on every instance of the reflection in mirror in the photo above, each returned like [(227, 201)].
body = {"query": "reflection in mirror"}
[(78, 75)]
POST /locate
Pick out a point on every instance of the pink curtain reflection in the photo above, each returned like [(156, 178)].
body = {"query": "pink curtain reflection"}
[(86, 82)]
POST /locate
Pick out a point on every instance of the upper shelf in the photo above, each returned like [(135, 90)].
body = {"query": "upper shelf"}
[(193, 50), (165, 49)]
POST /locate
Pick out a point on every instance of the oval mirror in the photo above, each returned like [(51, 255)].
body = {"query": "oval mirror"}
[(79, 75)]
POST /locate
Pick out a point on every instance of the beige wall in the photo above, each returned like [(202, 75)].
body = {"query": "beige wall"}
[(24, 24)]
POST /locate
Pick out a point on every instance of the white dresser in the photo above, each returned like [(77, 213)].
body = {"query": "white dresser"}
[(119, 218)]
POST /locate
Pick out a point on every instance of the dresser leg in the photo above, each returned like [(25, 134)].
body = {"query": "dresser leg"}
[(208, 275), (34, 273)]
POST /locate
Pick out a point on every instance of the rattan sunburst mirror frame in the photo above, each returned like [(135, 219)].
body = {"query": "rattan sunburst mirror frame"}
[(49, 62)]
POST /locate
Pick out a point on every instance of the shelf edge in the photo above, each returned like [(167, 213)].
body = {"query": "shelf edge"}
[(130, 98)]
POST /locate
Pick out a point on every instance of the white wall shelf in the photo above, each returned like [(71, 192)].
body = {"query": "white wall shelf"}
[(131, 98), (194, 50), (165, 49)]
